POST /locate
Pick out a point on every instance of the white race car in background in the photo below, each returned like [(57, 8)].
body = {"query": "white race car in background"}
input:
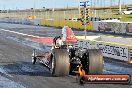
[(128, 11)]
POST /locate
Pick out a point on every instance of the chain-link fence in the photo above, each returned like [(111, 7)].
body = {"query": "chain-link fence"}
[(59, 15)]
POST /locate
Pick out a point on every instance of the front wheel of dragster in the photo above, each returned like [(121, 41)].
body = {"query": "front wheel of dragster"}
[(60, 62), (34, 58), (95, 61)]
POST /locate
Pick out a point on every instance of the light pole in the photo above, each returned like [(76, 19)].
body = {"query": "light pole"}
[(32, 11), (119, 6), (78, 7), (1, 13), (34, 8), (94, 8), (53, 9), (43, 13)]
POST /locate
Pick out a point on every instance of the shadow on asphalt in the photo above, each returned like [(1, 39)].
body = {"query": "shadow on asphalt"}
[(26, 68)]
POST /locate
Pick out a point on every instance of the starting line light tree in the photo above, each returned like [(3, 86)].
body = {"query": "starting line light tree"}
[(85, 15), (82, 16), (88, 16)]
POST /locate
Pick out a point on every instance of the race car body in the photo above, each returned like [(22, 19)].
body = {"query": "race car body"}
[(65, 58)]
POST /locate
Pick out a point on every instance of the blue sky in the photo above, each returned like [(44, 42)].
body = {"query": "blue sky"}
[(26, 4)]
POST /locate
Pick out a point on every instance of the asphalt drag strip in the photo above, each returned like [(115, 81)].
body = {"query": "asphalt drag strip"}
[(16, 68)]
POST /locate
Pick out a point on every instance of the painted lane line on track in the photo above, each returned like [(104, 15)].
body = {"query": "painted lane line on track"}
[(21, 33)]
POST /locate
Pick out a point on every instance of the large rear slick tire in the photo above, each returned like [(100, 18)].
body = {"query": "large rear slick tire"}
[(60, 62), (95, 61)]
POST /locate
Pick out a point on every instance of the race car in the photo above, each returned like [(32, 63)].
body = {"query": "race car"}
[(64, 58)]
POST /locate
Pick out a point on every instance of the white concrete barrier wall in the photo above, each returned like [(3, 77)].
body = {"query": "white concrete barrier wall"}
[(37, 21), (114, 51), (111, 50), (114, 27), (119, 40), (105, 26), (17, 21)]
